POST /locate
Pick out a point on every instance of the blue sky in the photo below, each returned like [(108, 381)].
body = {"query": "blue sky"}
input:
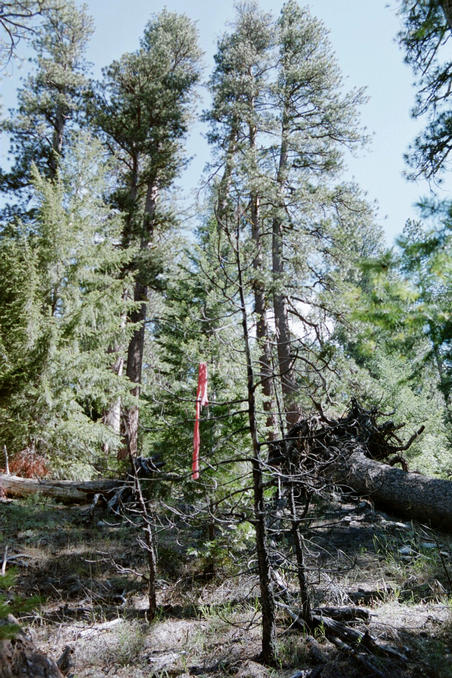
[(363, 37)]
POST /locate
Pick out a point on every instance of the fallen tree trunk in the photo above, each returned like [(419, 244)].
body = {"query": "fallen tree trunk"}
[(352, 451), (66, 491), (409, 494)]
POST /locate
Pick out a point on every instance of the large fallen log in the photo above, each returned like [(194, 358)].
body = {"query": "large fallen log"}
[(413, 495), (66, 491), (359, 452)]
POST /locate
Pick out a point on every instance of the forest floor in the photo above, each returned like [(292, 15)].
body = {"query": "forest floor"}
[(85, 570)]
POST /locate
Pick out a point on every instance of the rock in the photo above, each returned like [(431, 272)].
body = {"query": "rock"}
[(405, 550), (252, 669), (20, 657)]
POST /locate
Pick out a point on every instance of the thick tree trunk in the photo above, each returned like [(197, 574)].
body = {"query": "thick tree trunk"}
[(67, 491), (138, 317), (134, 369), (112, 417), (283, 336), (412, 495)]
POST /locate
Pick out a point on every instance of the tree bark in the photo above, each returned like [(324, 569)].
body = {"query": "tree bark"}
[(269, 652), (412, 495), (283, 337), (134, 369), (67, 491), (260, 302), (138, 317)]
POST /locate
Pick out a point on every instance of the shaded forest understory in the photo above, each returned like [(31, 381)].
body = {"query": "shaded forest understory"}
[(84, 568)]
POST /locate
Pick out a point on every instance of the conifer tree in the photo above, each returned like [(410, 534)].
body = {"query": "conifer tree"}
[(281, 124), (142, 108), (16, 23), (426, 31), (315, 122), (49, 102), (239, 86), (63, 315)]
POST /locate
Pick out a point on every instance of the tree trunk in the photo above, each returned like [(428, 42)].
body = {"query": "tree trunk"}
[(138, 317), (283, 337), (299, 555), (67, 491), (269, 653), (260, 307), (57, 141), (134, 369), (112, 416), (412, 495)]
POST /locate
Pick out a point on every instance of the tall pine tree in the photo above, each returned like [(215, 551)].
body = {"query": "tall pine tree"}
[(48, 103), (142, 108)]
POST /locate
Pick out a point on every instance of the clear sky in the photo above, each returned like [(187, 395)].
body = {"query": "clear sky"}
[(362, 34)]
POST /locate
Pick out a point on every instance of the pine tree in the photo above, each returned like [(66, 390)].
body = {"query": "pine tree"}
[(16, 23), (49, 102), (397, 340), (239, 86), (281, 124), (427, 27), (425, 262), (315, 123), (142, 109)]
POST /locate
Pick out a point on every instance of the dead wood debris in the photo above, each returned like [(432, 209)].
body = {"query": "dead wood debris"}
[(318, 440)]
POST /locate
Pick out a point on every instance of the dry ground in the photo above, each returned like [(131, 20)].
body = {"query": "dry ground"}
[(86, 572)]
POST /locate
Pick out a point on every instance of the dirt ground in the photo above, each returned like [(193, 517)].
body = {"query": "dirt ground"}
[(86, 570)]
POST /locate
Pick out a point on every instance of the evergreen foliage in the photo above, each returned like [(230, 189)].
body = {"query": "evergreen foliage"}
[(57, 379), (285, 290), (142, 109), (17, 18), (196, 325), (281, 124), (49, 101), (427, 27), (399, 333)]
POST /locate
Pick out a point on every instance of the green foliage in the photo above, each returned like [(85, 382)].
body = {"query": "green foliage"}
[(280, 122), (195, 326), (399, 335), (12, 604), (49, 102), (427, 26), (142, 109), (426, 262), (64, 300)]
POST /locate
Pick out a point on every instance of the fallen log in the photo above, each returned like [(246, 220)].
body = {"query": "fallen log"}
[(413, 495), (359, 452), (66, 491)]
